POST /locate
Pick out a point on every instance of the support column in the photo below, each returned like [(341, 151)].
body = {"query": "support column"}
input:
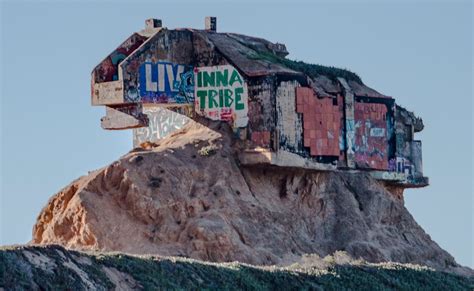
[(349, 118)]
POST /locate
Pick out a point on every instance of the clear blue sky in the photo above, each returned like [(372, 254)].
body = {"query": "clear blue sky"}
[(418, 52)]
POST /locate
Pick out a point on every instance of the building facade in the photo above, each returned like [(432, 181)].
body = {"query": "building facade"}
[(287, 113)]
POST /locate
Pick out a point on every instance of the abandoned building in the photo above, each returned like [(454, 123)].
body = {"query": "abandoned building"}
[(288, 113)]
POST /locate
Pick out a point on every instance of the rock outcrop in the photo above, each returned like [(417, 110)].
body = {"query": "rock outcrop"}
[(188, 196)]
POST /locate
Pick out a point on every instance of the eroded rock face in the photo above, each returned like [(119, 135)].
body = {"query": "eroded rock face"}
[(178, 199)]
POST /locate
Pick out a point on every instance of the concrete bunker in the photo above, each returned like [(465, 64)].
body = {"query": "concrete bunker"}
[(286, 113)]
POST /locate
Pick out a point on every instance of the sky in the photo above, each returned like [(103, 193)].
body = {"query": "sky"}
[(419, 52)]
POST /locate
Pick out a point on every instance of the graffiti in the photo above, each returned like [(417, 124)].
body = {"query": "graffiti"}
[(371, 142), (400, 165), (162, 122), (350, 136), (332, 127), (221, 94), (164, 82), (394, 176), (377, 132), (392, 165), (107, 70)]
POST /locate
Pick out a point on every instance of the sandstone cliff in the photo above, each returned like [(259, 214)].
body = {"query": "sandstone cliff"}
[(188, 196)]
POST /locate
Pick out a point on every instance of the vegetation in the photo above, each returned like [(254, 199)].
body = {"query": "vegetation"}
[(53, 268), (208, 150), (311, 70)]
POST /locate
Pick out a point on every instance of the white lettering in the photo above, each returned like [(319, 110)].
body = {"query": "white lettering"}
[(161, 77), (150, 85)]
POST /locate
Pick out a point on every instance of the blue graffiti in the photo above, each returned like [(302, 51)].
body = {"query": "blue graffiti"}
[(350, 135), (165, 82), (186, 86)]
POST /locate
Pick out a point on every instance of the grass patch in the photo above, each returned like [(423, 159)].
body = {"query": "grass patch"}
[(311, 70), (169, 273)]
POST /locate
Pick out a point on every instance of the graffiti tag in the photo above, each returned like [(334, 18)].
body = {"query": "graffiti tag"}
[(165, 82), (221, 94), (162, 122)]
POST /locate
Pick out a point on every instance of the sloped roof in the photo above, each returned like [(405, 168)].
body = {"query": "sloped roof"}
[(325, 87), (257, 57), (362, 90), (254, 57), (246, 57)]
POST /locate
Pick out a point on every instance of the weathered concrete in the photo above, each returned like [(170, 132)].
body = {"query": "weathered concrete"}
[(107, 93), (162, 122), (246, 81), (124, 117), (289, 123), (281, 158), (210, 23), (350, 124)]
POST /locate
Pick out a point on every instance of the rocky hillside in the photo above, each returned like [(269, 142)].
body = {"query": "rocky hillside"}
[(55, 268), (188, 196)]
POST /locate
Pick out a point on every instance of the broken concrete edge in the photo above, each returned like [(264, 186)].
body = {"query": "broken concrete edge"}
[(107, 93), (132, 115), (282, 158), (124, 117)]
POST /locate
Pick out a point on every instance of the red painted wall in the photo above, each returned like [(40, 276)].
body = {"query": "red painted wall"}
[(321, 122), (371, 136)]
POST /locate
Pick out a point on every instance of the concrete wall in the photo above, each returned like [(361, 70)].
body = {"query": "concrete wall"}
[(221, 94), (325, 128), (279, 111), (261, 103), (108, 69), (407, 154), (289, 123), (165, 56)]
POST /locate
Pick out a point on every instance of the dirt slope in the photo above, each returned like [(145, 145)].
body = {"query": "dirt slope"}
[(189, 197)]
